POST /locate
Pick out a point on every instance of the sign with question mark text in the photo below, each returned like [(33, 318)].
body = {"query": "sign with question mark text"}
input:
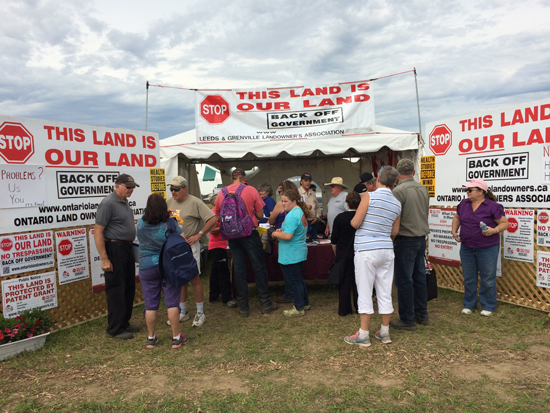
[(22, 186)]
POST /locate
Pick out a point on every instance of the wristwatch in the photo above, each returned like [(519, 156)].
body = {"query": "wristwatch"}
[(201, 233)]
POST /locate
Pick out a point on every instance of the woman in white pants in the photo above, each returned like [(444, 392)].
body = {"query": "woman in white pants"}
[(377, 224)]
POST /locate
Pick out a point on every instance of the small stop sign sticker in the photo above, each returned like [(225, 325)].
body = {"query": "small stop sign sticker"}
[(441, 139), (65, 247), (16, 143), (543, 217), (6, 244), (214, 109), (512, 225)]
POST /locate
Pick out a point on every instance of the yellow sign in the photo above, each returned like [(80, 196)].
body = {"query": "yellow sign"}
[(427, 174), (158, 181)]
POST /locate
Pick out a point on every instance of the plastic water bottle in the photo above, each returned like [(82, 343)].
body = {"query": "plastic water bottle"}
[(483, 226)]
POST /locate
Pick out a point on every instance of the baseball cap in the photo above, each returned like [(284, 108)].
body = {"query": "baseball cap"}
[(178, 182), (405, 166), (477, 183), (366, 177), (126, 180), (305, 176), (238, 172), (360, 188)]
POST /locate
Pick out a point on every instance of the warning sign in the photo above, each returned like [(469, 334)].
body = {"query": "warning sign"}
[(158, 181), (427, 174)]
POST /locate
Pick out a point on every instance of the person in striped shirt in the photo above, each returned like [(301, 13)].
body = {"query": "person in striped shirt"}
[(377, 223)]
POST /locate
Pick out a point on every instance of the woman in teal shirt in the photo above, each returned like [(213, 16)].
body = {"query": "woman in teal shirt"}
[(293, 250)]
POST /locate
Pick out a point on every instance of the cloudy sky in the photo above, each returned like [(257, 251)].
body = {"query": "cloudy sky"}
[(87, 61)]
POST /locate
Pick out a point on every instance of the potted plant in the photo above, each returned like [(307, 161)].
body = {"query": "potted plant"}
[(23, 333)]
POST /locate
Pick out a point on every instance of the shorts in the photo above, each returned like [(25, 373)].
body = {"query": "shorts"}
[(151, 284)]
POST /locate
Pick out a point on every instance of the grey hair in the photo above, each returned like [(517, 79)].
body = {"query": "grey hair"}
[(388, 176), (267, 188)]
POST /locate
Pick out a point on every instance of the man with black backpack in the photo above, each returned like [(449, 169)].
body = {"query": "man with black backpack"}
[(239, 207)]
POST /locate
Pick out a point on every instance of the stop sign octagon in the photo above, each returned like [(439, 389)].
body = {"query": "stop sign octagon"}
[(214, 109), (441, 139), (16, 143), (65, 247)]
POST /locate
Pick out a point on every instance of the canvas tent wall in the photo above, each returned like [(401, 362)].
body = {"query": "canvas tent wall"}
[(279, 160)]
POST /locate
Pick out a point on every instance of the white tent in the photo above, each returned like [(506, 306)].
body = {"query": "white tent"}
[(346, 157)]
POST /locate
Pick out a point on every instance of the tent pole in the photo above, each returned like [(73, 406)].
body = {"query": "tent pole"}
[(147, 103), (418, 108)]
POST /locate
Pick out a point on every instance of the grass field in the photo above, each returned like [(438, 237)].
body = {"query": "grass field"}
[(268, 363)]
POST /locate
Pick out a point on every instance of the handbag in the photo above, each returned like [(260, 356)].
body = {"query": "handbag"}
[(431, 280)]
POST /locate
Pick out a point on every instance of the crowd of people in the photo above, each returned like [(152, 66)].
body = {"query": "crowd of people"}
[(378, 232)]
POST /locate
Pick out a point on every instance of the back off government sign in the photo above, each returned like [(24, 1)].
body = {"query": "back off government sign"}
[(509, 148)]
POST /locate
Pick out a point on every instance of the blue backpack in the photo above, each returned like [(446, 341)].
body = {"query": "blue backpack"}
[(234, 221), (176, 262)]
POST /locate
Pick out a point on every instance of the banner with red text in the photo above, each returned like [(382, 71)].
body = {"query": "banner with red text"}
[(76, 165), (509, 148), (28, 293), (443, 248), (543, 269), (72, 255), (26, 252), (303, 112)]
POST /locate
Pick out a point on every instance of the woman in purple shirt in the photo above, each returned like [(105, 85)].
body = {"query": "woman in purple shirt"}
[(480, 248)]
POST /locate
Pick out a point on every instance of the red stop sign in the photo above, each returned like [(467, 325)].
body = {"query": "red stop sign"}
[(6, 244), (543, 217), (65, 247), (16, 143), (441, 139), (512, 224), (214, 109)]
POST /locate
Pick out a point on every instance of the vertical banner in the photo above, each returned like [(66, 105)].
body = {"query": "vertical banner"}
[(443, 249), (26, 252), (158, 181), (543, 269), (427, 174), (28, 293), (519, 237), (72, 255), (253, 115), (543, 229)]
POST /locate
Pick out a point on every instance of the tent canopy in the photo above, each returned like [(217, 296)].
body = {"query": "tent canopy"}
[(280, 160)]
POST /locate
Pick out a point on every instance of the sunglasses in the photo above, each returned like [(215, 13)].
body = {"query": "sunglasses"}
[(332, 186), (176, 189), (471, 189)]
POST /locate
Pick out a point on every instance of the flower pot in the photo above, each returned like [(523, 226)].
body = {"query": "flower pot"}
[(29, 344)]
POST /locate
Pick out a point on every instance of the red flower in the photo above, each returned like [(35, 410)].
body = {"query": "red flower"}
[(18, 318), (1, 336), (29, 335), (18, 325), (32, 329), (7, 330), (22, 316), (24, 325), (38, 323)]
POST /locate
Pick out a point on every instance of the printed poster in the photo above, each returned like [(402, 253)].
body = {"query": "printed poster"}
[(519, 237), (26, 252), (543, 269), (543, 229), (72, 255), (443, 248), (28, 293)]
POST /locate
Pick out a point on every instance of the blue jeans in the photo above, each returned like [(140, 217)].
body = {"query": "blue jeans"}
[(312, 230), (293, 275), (410, 278), (253, 247), (484, 262)]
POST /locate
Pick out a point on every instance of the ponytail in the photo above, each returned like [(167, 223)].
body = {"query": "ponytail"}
[(295, 196), (303, 206), (488, 194)]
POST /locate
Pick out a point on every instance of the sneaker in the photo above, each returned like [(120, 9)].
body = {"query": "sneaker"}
[(423, 321), (400, 325), (466, 311), (132, 329), (178, 342), (151, 342), (294, 313), (183, 317), (354, 340), (269, 309), (307, 307), (122, 336), (486, 313), (199, 320), (384, 339), (231, 304)]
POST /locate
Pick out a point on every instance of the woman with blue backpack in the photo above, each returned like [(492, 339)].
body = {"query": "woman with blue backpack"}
[(152, 231), (293, 250)]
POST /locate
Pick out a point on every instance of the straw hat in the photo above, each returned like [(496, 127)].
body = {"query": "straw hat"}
[(337, 181)]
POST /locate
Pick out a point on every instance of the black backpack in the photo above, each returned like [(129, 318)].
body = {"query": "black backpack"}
[(176, 262)]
